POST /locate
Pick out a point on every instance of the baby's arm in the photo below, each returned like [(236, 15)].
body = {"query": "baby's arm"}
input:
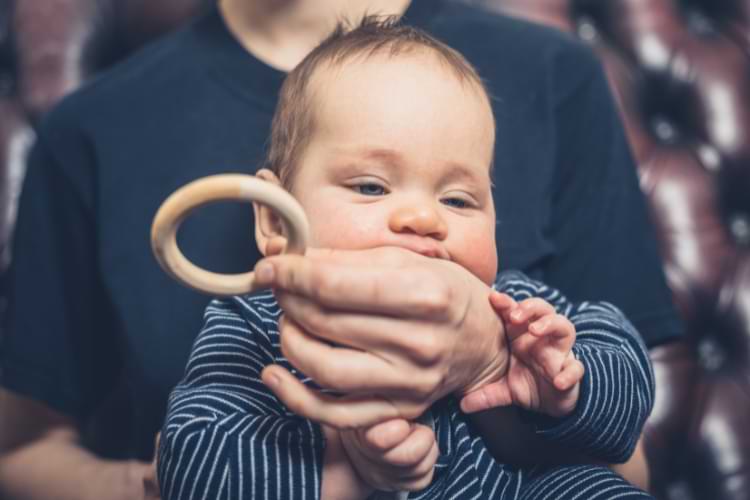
[(226, 434), (615, 394)]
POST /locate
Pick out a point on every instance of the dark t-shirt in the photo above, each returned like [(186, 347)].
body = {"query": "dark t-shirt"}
[(90, 308)]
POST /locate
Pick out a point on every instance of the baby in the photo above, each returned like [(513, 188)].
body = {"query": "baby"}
[(386, 137)]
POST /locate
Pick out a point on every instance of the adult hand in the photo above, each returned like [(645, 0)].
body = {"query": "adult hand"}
[(140, 481), (391, 329), (150, 479)]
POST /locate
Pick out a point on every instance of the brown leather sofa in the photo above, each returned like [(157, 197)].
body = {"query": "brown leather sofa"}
[(680, 70)]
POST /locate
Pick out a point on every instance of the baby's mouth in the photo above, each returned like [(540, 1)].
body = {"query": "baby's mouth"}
[(433, 251)]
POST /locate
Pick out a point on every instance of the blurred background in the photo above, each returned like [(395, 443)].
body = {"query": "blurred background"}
[(680, 72)]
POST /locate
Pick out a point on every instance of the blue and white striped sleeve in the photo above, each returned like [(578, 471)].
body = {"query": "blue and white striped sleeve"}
[(226, 436), (617, 390)]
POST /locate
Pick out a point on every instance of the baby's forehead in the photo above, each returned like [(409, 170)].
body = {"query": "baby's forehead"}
[(374, 72), (349, 99)]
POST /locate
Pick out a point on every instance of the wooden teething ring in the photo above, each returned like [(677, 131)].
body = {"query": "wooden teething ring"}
[(225, 187)]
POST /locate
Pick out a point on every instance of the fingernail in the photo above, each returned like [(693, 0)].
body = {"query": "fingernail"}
[(539, 326), (273, 380), (264, 272), (516, 314)]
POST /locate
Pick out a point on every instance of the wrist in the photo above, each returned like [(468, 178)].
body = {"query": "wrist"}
[(497, 363)]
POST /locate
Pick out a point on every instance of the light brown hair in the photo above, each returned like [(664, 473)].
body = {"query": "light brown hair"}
[(293, 121)]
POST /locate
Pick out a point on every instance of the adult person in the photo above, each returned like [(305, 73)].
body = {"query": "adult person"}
[(200, 102)]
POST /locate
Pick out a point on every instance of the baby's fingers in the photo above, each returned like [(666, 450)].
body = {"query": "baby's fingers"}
[(555, 325), (503, 304), (531, 309), (410, 452), (570, 375), (420, 476), (386, 435)]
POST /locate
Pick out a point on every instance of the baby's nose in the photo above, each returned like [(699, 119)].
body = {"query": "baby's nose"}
[(421, 219)]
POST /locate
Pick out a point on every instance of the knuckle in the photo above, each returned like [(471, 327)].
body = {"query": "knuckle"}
[(408, 458), (409, 410), (295, 405), (287, 346), (326, 377), (425, 386), (342, 419), (424, 468), (429, 297), (321, 282), (427, 348), (564, 322), (376, 443), (315, 319), (437, 299), (292, 278), (377, 291), (420, 483), (532, 303)]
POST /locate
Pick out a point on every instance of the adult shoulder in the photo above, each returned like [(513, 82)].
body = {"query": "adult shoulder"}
[(119, 101), (500, 45), (154, 67)]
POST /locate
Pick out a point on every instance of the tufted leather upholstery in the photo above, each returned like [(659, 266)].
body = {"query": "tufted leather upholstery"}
[(680, 70)]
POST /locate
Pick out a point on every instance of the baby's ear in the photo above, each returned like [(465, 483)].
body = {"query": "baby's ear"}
[(269, 232)]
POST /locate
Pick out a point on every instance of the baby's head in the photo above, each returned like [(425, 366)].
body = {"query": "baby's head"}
[(386, 136)]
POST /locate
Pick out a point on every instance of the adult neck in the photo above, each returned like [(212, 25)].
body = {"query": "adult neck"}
[(282, 32)]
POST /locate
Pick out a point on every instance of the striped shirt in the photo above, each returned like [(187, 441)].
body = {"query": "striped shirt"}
[(228, 437)]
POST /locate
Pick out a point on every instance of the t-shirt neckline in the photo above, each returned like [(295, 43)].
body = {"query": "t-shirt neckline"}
[(248, 74)]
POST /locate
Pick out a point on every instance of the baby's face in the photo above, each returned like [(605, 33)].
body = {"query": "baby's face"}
[(400, 156)]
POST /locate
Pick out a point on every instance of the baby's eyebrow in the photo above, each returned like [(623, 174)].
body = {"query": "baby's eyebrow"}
[(385, 155), (466, 173), (458, 171)]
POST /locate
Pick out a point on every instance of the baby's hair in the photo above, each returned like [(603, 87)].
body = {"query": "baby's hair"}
[(293, 121)]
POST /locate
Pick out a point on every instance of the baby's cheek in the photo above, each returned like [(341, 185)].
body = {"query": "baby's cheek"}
[(478, 254), (344, 233)]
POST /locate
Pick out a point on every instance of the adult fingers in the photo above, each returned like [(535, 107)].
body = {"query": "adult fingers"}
[(350, 370), (342, 413), (362, 285), (403, 338)]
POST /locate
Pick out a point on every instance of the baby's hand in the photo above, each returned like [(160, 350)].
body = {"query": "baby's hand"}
[(392, 456), (544, 375)]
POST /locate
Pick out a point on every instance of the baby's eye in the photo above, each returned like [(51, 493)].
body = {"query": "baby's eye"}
[(369, 189), (456, 202)]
